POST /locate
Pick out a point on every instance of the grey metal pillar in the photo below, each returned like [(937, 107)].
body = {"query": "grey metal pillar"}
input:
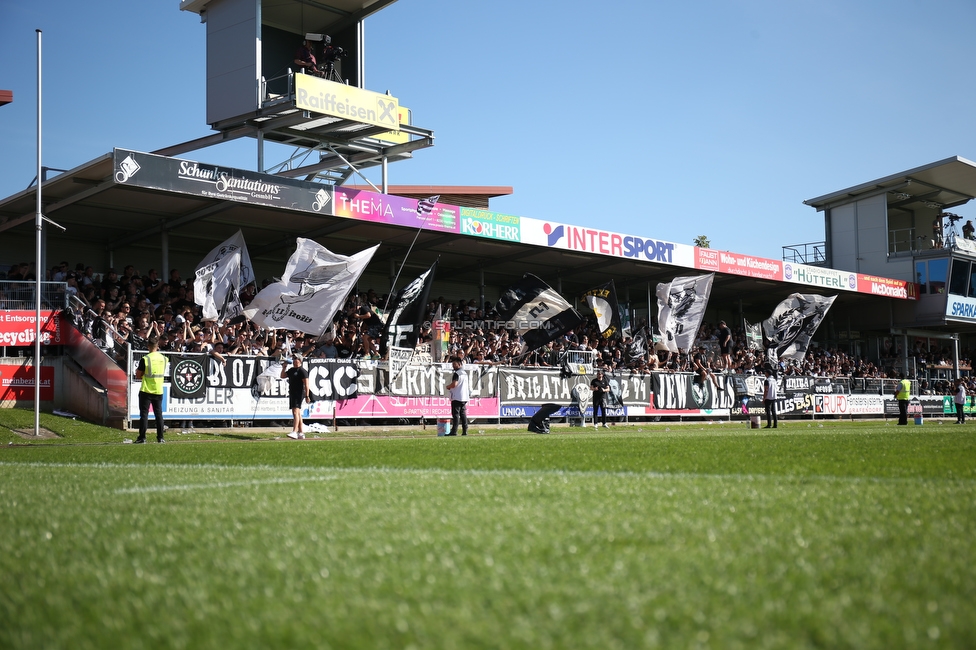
[(164, 249)]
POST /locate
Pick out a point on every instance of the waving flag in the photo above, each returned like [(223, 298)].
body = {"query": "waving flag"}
[(753, 335), (426, 206), (680, 307), (313, 288), (603, 301), (787, 333), (638, 345), (538, 313), (220, 276), (408, 311)]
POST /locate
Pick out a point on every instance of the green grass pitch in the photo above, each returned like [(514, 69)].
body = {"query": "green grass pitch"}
[(846, 535)]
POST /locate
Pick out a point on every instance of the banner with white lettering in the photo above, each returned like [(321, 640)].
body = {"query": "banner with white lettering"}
[(525, 387), (220, 182), (17, 383), (17, 328), (682, 391)]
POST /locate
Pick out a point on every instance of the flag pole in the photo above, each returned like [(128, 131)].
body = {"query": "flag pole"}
[(432, 201)]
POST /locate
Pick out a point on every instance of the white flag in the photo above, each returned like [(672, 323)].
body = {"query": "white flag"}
[(220, 276), (312, 289), (680, 307)]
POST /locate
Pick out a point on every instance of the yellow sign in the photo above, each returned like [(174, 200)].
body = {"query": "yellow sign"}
[(347, 102), (397, 137)]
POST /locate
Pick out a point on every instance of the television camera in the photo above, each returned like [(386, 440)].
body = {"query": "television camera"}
[(329, 53)]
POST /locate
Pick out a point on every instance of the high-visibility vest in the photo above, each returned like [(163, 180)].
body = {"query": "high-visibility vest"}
[(904, 389), (152, 376)]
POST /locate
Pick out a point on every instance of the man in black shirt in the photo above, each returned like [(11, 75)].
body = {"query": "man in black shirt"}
[(725, 344), (297, 378), (600, 387)]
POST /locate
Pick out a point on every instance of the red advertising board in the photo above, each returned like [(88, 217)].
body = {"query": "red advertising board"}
[(760, 268), (17, 383), (889, 287), (17, 328)]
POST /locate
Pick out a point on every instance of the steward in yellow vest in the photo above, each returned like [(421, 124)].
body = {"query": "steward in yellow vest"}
[(903, 393), (151, 371)]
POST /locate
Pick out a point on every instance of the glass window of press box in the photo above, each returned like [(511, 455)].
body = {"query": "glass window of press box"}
[(962, 278), (931, 275)]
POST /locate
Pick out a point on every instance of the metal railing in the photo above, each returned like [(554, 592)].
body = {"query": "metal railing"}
[(22, 294), (577, 362), (812, 253), (99, 331)]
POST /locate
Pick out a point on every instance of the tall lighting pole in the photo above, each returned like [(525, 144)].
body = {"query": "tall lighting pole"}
[(38, 225)]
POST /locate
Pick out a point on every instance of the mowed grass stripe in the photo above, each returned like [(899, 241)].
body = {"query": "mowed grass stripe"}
[(331, 473), (865, 450)]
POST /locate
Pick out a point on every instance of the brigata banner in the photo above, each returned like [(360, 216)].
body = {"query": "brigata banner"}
[(17, 328), (219, 182), (519, 387)]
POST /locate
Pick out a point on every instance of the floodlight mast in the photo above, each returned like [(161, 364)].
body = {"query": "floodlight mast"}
[(38, 226)]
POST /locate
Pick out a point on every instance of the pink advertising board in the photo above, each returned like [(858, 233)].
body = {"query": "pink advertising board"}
[(395, 210)]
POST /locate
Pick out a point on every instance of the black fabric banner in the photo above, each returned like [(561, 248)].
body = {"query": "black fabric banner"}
[(188, 376), (408, 311)]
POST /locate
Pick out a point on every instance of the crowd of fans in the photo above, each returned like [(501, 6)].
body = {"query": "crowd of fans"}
[(116, 310)]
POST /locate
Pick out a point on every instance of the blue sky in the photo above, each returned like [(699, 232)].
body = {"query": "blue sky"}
[(663, 119)]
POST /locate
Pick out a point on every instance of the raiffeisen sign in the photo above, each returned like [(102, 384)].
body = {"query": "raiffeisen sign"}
[(346, 102)]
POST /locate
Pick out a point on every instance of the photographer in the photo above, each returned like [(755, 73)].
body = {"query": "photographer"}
[(305, 58)]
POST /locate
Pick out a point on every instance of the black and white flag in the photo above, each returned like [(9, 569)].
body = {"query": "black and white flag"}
[(313, 288), (426, 206), (189, 376), (537, 312), (753, 335), (220, 276), (680, 307), (787, 333), (603, 301), (408, 311), (638, 345)]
